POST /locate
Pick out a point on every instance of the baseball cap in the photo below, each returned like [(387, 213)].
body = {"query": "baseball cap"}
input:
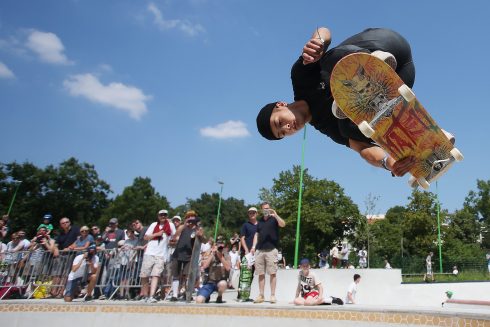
[(304, 261), (48, 216), (177, 217), (113, 221), (252, 209), (264, 121), (92, 248), (163, 212)]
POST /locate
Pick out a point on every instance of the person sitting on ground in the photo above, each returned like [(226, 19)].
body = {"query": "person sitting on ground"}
[(219, 264), (85, 263), (313, 101), (310, 290)]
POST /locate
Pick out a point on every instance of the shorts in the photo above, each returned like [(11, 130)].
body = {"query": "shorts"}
[(206, 290), (71, 287), (266, 262), (311, 294), (152, 266), (180, 267)]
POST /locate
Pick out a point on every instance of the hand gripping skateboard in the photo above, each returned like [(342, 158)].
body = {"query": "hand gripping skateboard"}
[(386, 110)]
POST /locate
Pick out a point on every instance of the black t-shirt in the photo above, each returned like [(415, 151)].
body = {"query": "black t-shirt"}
[(183, 248), (268, 231), (308, 86), (248, 230), (64, 240)]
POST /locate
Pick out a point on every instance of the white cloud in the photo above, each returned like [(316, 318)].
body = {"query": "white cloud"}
[(168, 24), (5, 72), (227, 130), (48, 47), (117, 95)]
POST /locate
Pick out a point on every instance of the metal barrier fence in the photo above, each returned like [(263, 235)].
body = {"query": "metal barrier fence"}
[(39, 274)]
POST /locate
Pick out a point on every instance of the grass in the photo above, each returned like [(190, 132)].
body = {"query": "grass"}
[(464, 276)]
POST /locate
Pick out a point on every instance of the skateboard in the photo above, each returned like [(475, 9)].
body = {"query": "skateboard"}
[(372, 95), (193, 269), (245, 279)]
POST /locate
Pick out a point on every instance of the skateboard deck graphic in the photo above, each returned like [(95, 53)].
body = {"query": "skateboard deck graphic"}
[(245, 280), (374, 97), (193, 269)]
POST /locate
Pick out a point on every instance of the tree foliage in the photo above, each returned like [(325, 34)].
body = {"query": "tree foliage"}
[(137, 201), (327, 214), (72, 189)]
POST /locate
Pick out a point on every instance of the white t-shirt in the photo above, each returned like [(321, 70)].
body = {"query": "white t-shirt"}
[(307, 283), (235, 257), (81, 270), (353, 290), (158, 247), (205, 247)]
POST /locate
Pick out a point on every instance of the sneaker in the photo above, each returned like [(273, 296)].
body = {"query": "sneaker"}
[(273, 299), (152, 300), (337, 112), (173, 299), (386, 57), (219, 299), (450, 136), (88, 298), (338, 301), (143, 300), (259, 299), (102, 297)]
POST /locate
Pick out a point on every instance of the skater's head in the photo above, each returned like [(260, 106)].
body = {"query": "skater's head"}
[(277, 120), (357, 278)]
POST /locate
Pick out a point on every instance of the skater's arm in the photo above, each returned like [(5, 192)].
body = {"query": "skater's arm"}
[(314, 48), (377, 157)]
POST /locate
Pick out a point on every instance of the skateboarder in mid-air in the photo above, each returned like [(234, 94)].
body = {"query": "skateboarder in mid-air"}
[(313, 101)]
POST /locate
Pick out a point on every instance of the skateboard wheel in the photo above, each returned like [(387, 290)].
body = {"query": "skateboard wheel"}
[(423, 182), (412, 182), (366, 129), (457, 155), (406, 93)]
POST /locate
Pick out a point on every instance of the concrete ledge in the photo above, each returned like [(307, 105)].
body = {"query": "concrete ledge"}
[(125, 314)]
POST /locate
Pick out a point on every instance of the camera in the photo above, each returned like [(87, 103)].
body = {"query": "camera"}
[(266, 212), (40, 238)]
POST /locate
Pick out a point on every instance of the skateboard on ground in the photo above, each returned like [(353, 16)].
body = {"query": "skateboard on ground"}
[(193, 269), (245, 279), (373, 96)]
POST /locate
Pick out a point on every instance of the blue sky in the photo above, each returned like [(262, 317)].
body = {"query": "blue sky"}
[(170, 90)]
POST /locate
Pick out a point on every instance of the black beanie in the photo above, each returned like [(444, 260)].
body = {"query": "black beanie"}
[(264, 121)]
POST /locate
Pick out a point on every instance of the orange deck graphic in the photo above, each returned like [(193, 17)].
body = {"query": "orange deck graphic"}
[(374, 97)]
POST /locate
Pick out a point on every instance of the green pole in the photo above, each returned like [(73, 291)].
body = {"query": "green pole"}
[(13, 198), (300, 196), (439, 229), (219, 208)]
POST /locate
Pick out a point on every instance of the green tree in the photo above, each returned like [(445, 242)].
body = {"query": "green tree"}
[(233, 213), (138, 201), (327, 214), (478, 203), (72, 189)]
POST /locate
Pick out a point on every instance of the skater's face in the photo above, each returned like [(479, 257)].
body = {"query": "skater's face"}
[(283, 121)]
